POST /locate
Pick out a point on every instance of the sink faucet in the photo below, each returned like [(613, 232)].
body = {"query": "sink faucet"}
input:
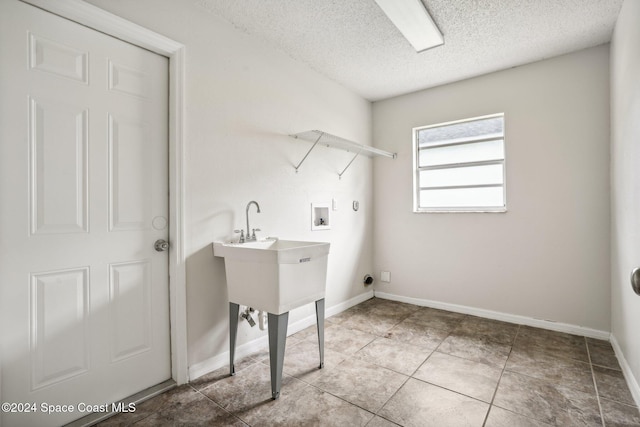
[(251, 236)]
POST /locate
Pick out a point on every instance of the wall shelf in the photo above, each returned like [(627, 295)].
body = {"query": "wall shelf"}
[(324, 138)]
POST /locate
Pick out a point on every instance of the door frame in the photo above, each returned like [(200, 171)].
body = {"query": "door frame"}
[(105, 22)]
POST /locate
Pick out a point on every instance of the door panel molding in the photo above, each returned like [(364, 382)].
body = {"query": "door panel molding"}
[(52, 57), (128, 300), (59, 300), (108, 23), (127, 150), (47, 213)]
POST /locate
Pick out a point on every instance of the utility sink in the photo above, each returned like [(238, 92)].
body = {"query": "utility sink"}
[(274, 275)]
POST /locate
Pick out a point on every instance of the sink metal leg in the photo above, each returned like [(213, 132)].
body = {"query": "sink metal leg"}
[(234, 311), (277, 339), (320, 323)]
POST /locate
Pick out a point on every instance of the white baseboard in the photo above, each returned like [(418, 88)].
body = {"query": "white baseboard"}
[(292, 328), (634, 387), (496, 315), (339, 308), (222, 359), (218, 361)]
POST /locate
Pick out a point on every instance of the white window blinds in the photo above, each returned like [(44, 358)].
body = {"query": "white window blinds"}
[(460, 166)]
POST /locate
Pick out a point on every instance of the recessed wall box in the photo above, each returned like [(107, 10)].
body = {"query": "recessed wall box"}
[(321, 216)]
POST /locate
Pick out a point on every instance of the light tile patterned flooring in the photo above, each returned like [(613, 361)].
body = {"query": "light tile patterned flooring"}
[(389, 363)]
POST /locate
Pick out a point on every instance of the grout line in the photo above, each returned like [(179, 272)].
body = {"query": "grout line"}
[(219, 405), (392, 396), (449, 389), (595, 384), (486, 417), (344, 400), (230, 413)]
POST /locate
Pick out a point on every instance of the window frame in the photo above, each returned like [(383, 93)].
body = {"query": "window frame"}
[(459, 209)]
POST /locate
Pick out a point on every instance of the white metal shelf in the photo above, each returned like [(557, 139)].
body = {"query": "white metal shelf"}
[(324, 138)]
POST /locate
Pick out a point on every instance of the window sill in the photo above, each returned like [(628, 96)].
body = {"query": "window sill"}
[(449, 210)]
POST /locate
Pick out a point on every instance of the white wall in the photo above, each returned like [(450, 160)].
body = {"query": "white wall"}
[(625, 185), (242, 100), (548, 256)]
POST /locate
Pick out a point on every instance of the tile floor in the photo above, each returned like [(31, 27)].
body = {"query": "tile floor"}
[(389, 363)]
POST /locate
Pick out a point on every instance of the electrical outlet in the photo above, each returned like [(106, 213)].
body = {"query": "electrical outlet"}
[(385, 276)]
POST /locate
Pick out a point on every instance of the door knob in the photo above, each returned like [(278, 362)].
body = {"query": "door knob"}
[(161, 245), (635, 280)]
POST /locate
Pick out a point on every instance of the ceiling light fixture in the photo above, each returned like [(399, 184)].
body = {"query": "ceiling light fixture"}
[(414, 22)]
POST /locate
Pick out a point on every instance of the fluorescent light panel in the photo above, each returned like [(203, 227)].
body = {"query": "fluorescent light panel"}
[(414, 22)]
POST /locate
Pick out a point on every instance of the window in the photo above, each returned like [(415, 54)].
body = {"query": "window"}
[(460, 166)]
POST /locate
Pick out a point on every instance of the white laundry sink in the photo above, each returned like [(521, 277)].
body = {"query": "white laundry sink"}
[(274, 275)]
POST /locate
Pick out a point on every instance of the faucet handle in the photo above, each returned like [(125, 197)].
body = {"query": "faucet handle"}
[(241, 235), (253, 234)]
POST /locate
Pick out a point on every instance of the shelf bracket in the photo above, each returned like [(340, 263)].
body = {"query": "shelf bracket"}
[(310, 150), (347, 167), (333, 141)]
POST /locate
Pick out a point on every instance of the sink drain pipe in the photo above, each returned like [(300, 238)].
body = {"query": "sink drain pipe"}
[(262, 320)]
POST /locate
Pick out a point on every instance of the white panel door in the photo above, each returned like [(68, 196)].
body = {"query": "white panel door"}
[(84, 305)]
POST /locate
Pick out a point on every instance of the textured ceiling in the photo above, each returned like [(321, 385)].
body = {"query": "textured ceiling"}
[(355, 44)]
